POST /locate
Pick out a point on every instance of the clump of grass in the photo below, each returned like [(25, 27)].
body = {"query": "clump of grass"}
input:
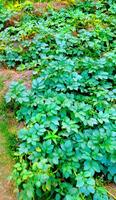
[(7, 122), (1, 83), (10, 141)]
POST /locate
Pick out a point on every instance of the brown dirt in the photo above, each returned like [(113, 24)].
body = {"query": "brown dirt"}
[(6, 162), (6, 187), (59, 5), (55, 5), (39, 8), (13, 20), (12, 75), (111, 188)]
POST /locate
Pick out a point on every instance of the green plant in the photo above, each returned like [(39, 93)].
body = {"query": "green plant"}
[(70, 132), (69, 32), (69, 113)]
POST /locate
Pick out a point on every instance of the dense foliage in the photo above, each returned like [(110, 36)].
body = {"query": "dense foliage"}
[(33, 41), (69, 139)]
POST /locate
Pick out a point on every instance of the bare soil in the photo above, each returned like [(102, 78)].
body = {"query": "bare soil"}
[(13, 75), (7, 191), (6, 187), (111, 188)]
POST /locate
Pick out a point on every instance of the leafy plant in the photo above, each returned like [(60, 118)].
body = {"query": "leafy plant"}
[(69, 112), (34, 41)]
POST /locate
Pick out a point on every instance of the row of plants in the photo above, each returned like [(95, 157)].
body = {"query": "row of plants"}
[(69, 138), (33, 41)]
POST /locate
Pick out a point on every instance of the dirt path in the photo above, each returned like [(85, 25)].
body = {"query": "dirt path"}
[(111, 188), (12, 75), (6, 160), (8, 130), (6, 188)]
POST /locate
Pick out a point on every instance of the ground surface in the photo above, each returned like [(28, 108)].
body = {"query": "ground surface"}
[(8, 129), (111, 190), (6, 188)]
